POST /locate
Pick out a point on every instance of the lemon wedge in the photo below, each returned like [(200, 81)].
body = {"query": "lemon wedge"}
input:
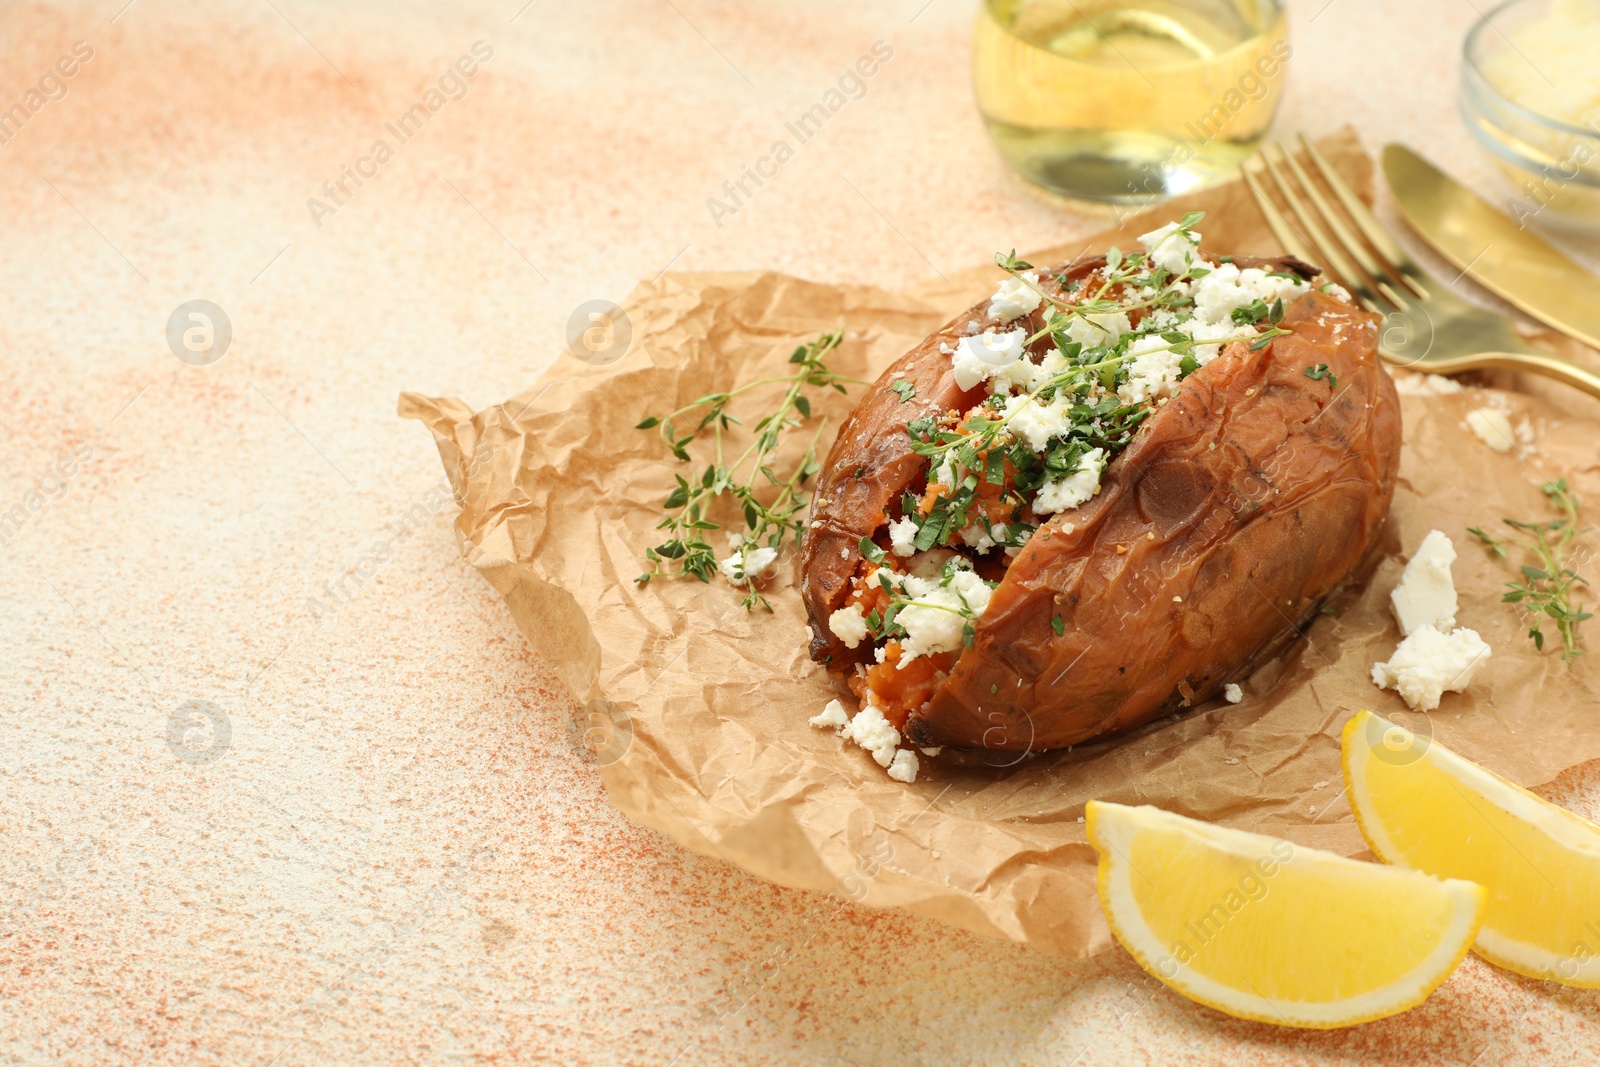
[(1264, 929), (1419, 805)]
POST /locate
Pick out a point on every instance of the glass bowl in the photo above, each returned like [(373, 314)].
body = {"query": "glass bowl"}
[(1512, 62)]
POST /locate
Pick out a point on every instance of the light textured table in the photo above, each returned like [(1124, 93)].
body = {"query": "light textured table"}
[(400, 856)]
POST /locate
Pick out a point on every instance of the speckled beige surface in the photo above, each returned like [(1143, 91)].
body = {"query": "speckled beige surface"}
[(401, 855)]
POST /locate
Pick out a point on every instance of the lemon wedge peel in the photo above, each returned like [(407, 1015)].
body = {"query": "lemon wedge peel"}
[(1458, 904), (1486, 806)]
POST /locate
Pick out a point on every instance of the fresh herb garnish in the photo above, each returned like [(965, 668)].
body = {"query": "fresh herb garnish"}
[(1546, 589), (903, 389), (1321, 371), (968, 452), (747, 479)]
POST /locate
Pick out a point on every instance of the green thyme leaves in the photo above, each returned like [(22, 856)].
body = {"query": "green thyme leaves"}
[(770, 502), (1321, 371), (1546, 589)]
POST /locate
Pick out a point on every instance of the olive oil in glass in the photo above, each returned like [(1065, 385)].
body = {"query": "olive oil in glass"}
[(1129, 101)]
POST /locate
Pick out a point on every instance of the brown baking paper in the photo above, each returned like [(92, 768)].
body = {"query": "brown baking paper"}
[(699, 709)]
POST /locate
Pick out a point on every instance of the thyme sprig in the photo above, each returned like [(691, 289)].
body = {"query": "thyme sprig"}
[(1546, 589), (749, 479)]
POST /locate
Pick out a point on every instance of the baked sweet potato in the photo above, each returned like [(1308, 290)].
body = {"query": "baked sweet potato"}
[(1243, 498)]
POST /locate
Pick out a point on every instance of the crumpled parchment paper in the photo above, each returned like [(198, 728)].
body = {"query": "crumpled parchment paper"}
[(698, 709)]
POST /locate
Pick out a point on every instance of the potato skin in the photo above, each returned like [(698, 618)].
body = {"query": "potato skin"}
[(1249, 495)]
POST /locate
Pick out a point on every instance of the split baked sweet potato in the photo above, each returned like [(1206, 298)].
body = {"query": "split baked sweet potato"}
[(1244, 492)]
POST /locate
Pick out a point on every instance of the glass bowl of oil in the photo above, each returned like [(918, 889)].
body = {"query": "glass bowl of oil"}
[(1129, 102)]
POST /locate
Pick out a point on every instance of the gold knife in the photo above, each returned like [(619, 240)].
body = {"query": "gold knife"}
[(1504, 258)]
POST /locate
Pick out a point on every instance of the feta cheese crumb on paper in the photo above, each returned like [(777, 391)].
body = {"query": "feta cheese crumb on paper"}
[(873, 732), (1434, 658), (981, 355), (1492, 428), (833, 716), (1429, 663), (1015, 298), (904, 766), (1232, 693), (1426, 385), (1077, 487), (1426, 595), (849, 625), (747, 562)]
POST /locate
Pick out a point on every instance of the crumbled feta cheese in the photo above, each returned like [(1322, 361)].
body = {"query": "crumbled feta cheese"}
[(747, 562), (1226, 288), (904, 766), (1219, 333), (1171, 247), (833, 716), (1067, 493), (903, 536), (1014, 297), (977, 357), (1152, 372), (932, 619), (1160, 319), (849, 625), (977, 538), (1098, 328), (873, 732), (1027, 375), (1492, 428), (1035, 421), (1426, 595), (1426, 385), (1232, 693), (1429, 663)]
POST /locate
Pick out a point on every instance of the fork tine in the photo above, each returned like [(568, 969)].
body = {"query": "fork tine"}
[(1331, 257), (1375, 232), (1280, 226), (1380, 272)]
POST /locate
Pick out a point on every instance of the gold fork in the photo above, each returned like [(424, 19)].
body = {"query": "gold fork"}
[(1426, 326)]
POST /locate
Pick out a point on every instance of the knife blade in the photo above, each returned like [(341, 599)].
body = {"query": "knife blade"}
[(1486, 245)]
